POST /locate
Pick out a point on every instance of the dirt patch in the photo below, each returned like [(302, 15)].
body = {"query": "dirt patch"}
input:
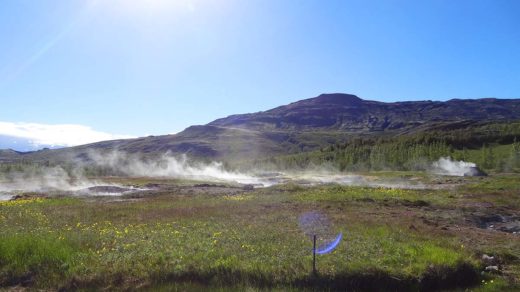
[(476, 205), (208, 186), (107, 189), (28, 196)]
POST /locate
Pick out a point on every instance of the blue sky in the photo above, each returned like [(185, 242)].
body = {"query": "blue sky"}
[(140, 67)]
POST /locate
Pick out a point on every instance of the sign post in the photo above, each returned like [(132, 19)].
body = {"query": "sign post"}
[(314, 255)]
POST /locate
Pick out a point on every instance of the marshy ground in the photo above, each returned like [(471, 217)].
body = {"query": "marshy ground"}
[(455, 233)]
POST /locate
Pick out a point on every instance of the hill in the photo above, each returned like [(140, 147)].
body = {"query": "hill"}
[(345, 112), (304, 125)]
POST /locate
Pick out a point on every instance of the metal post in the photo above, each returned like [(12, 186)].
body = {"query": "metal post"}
[(314, 255)]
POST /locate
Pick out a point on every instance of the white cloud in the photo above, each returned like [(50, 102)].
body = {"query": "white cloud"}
[(45, 135)]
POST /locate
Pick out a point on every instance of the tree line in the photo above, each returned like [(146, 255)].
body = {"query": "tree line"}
[(491, 146)]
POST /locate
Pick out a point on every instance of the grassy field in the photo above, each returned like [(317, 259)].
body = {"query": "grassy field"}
[(182, 237)]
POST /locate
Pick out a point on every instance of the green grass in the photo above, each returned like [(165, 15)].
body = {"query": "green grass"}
[(336, 194), (27, 255), (500, 190), (251, 240)]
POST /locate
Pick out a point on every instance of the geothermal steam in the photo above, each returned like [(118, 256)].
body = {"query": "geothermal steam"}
[(48, 178), (167, 166), (170, 167), (446, 166), (5, 197)]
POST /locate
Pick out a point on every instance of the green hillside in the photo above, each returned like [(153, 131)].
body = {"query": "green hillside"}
[(493, 147)]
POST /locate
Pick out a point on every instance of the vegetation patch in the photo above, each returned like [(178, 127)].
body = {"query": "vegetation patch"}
[(393, 239)]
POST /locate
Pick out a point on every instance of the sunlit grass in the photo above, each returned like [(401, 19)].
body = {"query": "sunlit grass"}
[(250, 239), (27, 254), (337, 193)]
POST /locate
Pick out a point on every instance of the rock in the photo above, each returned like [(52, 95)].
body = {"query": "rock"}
[(488, 220), (488, 260), (492, 218), (475, 171), (248, 187), (492, 269), (511, 227)]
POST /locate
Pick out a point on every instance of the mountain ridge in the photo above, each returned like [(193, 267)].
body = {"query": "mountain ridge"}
[(304, 125), (340, 111)]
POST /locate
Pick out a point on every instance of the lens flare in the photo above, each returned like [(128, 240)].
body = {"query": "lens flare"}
[(314, 223), (331, 246)]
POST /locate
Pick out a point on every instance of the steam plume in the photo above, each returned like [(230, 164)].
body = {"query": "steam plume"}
[(169, 166), (446, 166)]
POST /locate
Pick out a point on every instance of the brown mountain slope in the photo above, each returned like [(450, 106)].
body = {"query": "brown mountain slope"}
[(301, 126)]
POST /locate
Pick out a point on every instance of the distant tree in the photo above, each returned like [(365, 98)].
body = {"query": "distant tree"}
[(487, 157), (515, 154)]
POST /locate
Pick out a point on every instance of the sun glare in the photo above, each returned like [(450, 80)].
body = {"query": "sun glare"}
[(153, 7)]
